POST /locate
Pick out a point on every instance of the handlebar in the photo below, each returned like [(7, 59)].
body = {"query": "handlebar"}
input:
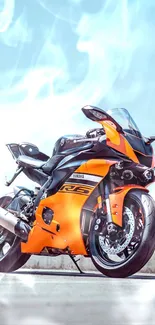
[(98, 132), (99, 136)]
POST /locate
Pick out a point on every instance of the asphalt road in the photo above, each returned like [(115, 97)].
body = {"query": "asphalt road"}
[(51, 298)]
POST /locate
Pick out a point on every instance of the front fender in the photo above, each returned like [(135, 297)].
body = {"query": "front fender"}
[(116, 201)]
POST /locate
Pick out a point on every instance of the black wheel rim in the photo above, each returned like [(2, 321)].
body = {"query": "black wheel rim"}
[(120, 258)]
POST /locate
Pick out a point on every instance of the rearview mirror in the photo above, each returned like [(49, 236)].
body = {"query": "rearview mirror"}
[(98, 115)]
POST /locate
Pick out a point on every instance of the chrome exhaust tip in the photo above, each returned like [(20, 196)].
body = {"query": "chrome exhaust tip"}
[(14, 224)]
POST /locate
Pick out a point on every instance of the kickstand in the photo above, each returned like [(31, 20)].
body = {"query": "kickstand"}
[(75, 262)]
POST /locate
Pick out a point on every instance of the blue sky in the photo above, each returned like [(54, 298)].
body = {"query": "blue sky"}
[(57, 56)]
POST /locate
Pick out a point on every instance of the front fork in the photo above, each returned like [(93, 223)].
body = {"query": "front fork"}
[(111, 204), (104, 202)]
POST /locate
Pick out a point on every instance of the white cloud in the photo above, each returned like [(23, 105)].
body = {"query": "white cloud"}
[(6, 14), (18, 32)]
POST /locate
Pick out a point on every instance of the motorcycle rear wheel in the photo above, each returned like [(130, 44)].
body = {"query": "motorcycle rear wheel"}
[(11, 257), (139, 209)]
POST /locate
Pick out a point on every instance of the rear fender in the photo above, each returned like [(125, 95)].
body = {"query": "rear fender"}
[(116, 201)]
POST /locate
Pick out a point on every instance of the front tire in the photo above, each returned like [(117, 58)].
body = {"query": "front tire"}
[(141, 204)]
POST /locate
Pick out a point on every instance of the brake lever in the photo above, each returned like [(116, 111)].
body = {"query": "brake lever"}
[(99, 132), (18, 171), (88, 133)]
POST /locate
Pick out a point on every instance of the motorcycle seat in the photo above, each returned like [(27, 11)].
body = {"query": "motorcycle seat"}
[(27, 161)]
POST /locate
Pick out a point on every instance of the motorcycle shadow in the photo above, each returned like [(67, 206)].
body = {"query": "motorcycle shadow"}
[(139, 276), (59, 273)]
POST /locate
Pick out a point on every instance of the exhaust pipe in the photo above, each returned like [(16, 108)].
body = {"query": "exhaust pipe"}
[(14, 225)]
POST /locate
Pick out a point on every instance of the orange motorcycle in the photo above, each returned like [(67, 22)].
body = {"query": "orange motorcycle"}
[(91, 199)]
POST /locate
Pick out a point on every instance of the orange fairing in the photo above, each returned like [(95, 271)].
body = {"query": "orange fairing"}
[(67, 205), (117, 202), (117, 141)]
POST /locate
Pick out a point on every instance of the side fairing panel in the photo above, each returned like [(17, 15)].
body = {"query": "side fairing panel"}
[(117, 141), (67, 205)]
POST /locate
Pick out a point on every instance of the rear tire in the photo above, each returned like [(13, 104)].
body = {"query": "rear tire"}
[(13, 259), (144, 249), (21, 262)]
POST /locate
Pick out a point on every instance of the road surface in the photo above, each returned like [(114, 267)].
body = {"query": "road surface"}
[(70, 298)]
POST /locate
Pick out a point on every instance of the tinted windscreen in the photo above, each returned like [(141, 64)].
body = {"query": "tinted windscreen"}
[(132, 133), (124, 119)]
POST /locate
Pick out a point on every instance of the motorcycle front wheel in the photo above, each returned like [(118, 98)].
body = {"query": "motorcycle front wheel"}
[(120, 252)]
